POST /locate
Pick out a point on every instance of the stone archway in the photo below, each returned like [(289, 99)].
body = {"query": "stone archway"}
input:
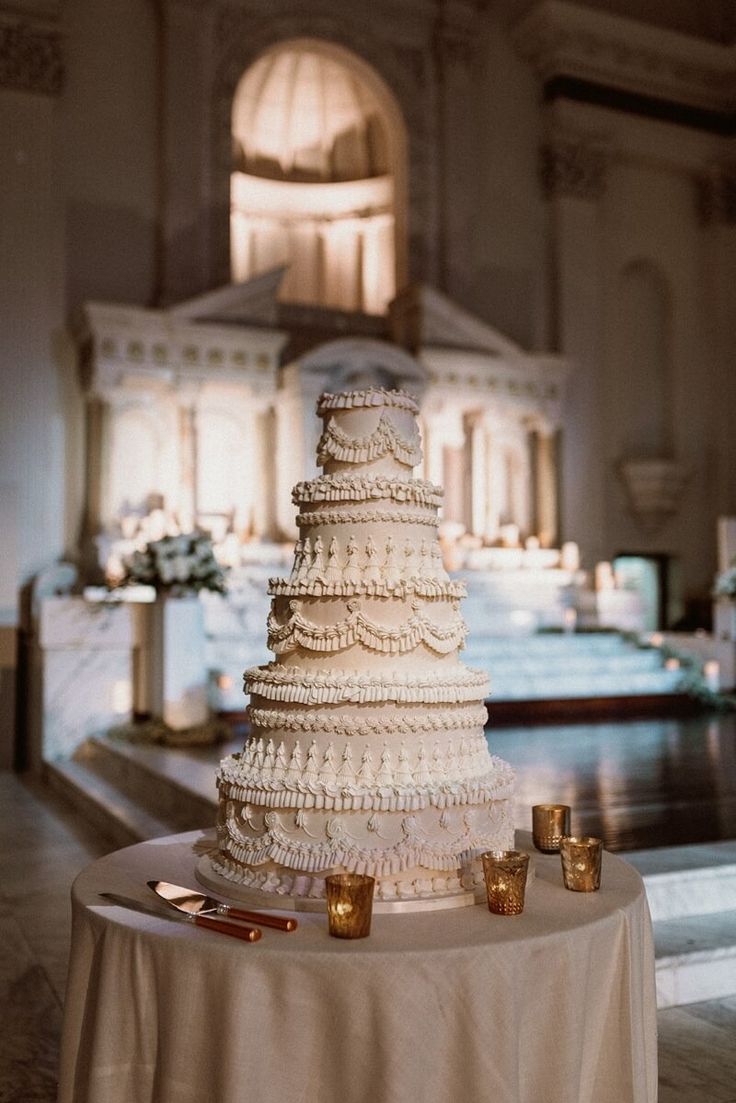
[(404, 73), (318, 180)]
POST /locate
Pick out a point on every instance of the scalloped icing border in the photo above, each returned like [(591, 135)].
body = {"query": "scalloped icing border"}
[(410, 852), (385, 440), (369, 397), (297, 631)]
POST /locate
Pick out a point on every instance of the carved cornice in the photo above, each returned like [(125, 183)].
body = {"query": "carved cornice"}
[(717, 195), (573, 167), (121, 341), (30, 58), (562, 39)]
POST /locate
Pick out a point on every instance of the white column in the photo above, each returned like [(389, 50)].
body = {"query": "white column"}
[(433, 448), (341, 265), (546, 486), (478, 439), (186, 501), (575, 183)]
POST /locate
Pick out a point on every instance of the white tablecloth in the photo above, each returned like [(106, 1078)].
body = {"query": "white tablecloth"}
[(554, 1006)]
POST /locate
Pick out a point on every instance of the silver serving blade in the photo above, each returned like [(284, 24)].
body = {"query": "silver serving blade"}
[(137, 905), (193, 903), (235, 930), (184, 899)]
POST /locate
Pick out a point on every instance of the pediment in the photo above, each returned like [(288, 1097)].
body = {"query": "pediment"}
[(356, 362), (250, 302), (421, 317)]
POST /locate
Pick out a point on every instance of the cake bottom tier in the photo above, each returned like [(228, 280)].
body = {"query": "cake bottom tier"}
[(432, 853)]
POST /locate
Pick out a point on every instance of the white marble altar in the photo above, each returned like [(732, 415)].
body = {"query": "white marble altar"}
[(81, 673), (191, 409), (177, 679)]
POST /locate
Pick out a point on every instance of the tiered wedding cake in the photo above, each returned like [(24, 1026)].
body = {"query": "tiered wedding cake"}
[(367, 750)]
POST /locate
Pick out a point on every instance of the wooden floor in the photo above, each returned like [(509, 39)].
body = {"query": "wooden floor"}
[(637, 784)]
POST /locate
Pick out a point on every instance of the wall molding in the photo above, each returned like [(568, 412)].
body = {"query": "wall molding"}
[(30, 58)]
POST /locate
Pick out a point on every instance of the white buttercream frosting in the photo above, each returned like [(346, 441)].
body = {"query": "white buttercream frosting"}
[(367, 749)]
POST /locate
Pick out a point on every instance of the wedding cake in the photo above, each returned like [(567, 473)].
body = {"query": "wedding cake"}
[(366, 750)]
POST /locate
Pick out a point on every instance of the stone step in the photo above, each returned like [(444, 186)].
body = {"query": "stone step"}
[(556, 643), (630, 684), (177, 789), (561, 664), (121, 820), (683, 881), (691, 892), (695, 958)]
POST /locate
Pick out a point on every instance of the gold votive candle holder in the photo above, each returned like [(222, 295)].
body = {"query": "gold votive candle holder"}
[(581, 862), (349, 904), (505, 876), (549, 823)]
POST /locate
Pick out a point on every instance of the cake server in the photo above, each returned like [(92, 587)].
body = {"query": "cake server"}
[(237, 930), (196, 903)]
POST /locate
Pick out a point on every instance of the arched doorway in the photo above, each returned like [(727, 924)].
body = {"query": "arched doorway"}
[(319, 178)]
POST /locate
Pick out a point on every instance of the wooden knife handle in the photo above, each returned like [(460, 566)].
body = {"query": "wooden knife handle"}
[(249, 934), (281, 923)]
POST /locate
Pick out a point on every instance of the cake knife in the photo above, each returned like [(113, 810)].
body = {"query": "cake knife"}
[(196, 903), (237, 930)]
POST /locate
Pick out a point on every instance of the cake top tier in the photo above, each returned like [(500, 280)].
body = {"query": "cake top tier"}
[(371, 396), (373, 432)]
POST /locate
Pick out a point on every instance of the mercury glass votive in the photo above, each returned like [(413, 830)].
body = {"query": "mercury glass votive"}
[(581, 862), (349, 904), (505, 876), (549, 823)]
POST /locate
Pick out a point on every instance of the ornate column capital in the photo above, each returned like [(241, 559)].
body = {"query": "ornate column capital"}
[(573, 167), (717, 194), (30, 58)]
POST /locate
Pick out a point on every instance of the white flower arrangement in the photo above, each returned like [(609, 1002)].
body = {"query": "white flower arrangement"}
[(175, 565), (726, 583)]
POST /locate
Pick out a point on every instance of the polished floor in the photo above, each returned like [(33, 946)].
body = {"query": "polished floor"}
[(637, 784)]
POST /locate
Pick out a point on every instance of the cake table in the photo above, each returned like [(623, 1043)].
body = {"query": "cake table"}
[(554, 1006)]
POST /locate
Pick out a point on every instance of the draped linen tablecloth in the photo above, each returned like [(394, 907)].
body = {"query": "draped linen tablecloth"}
[(554, 1006)]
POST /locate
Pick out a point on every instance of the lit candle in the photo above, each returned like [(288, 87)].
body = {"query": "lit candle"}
[(570, 556), (712, 674), (604, 579), (509, 535)]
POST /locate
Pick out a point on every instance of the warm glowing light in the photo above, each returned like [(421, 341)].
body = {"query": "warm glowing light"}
[(224, 682), (712, 674), (121, 697), (114, 570), (604, 577), (656, 639), (672, 664), (570, 556), (509, 535)]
